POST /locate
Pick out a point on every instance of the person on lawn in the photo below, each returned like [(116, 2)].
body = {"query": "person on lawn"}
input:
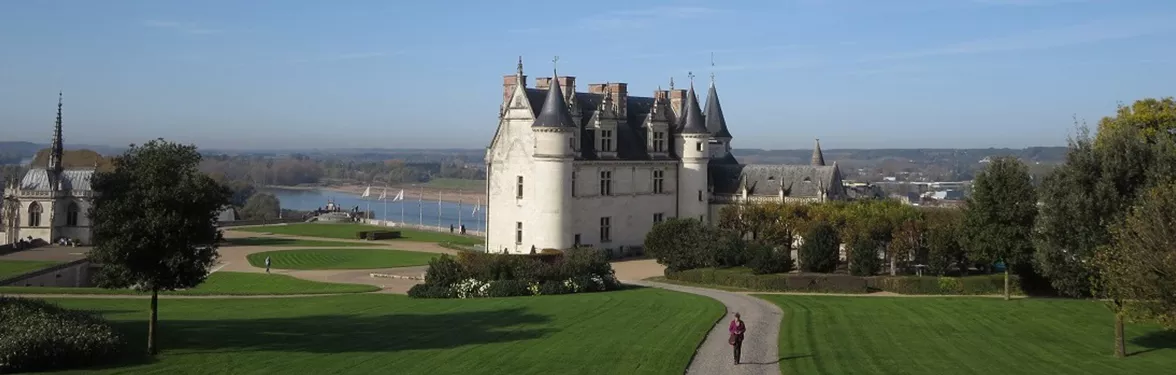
[(737, 330), (267, 264)]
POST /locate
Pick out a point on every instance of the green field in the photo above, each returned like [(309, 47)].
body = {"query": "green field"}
[(10, 268), (339, 259), (928, 335), (220, 283), (457, 184), (347, 231), (639, 331), (289, 242)]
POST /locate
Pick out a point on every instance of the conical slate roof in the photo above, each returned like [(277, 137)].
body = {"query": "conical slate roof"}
[(692, 121), (715, 122), (555, 113), (818, 156)]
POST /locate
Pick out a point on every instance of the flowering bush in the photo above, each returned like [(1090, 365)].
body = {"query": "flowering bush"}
[(474, 275), (37, 336)]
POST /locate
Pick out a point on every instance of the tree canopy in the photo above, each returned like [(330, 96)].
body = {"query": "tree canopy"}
[(261, 206), (998, 217)]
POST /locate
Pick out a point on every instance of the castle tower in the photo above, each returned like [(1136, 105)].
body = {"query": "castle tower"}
[(691, 141), (716, 124), (554, 132), (818, 156)]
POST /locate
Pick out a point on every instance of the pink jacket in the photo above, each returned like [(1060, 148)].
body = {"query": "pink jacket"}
[(737, 327)]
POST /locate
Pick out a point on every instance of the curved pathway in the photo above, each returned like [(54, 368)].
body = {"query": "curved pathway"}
[(761, 353)]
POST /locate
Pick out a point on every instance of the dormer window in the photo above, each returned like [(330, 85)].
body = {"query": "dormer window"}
[(606, 140), (658, 141)]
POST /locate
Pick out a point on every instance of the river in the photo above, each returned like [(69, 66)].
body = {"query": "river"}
[(412, 209)]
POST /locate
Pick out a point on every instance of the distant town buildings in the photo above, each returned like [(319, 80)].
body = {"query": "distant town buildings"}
[(601, 167)]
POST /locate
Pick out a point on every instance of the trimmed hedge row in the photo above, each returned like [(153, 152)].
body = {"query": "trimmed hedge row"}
[(374, 235), (838, 283), (37, 336), (472, 275)]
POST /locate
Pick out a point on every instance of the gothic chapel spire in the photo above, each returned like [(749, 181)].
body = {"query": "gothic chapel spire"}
[(56, 149), (818, 156)]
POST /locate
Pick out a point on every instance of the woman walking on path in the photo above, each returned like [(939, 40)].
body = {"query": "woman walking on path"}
[(737, 330)]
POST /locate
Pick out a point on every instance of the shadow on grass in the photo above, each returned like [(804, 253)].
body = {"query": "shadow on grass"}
[(333, 333), (1155, 340)]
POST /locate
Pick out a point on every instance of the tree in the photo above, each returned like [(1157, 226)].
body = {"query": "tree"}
[(1153, 118), (863, 253), (1138, 270), (819, 251), (998, 217), (906, 237), (261, 206), (681, 244), (155, 222), (943, 235)]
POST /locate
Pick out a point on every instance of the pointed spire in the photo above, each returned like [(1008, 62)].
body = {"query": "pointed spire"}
[(555, 113), (716, 123), (671, 83), (56, 148), (818, 157), (691, 121)]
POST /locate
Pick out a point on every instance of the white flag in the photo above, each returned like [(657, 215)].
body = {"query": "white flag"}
[(399, 196), (476, 208), (384, 194), (367, 192)]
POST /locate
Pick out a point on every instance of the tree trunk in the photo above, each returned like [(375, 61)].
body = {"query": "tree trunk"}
[(1007, 296), (893, 265), (152, 349), (1120, 347)]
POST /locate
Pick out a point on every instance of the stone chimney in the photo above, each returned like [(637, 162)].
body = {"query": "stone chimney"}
[(568, 85), (677, 97), (596, 88), (543, 83), (620, 96), (508, 86)]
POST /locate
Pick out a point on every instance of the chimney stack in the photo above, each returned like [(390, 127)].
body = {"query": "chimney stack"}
[(543, 83), (620, 96), (508, 86), (677, 97), (568, 85)]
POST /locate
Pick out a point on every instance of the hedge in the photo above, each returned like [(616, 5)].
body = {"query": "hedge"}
[(375, 235), (472, 275), (839, 283), (39, 336)]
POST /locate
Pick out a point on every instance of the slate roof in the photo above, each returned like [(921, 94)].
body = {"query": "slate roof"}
[(716, 123), (555, 113), (801, 181), (37, 179), (692, 121), (631, 142)]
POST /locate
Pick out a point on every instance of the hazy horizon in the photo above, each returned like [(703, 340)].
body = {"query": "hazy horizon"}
[(858, 74)]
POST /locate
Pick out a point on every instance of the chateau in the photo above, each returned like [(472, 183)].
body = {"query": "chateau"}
[(51, 201), (600, 168)]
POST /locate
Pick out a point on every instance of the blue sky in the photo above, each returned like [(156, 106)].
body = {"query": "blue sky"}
[(855, 73)]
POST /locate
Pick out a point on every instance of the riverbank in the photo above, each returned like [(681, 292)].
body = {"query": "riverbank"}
[(411, 192)]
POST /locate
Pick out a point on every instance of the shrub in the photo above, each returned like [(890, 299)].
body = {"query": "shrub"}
[(834, 283), (584, 262), (729, 250), (968, 285), (548, 288), (681, 244), (38, 336), (766, 260), (443, 271), (819, 251), (508, 288), (431, 291), (863, 259)]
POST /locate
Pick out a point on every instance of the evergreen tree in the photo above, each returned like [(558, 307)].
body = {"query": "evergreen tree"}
[(998, 218)]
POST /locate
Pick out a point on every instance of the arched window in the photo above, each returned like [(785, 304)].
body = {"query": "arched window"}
[(71, 215), (35, 214)]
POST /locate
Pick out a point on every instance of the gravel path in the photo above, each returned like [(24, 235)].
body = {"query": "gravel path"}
[(760, 347)]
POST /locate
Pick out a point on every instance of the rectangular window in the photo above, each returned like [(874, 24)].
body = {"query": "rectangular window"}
[(519, 189), (698, 145), (573, 183), (577, 240), (657, 218), (659, 141), (518, 232), (658, 181), (605, 182), (606, 140), (700, 195), (605, 226)]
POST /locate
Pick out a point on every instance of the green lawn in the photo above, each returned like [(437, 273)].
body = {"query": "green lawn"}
[(348, 230), (10, 268), (927, 335), (639, 331), (457, 183), (288, 242), (221, 283), (338, 259)]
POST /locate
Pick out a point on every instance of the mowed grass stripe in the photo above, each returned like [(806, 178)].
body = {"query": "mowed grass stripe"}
[(219, 283), (348, 231), (858, 335), (639, 331), (13, 268), (345, 258)]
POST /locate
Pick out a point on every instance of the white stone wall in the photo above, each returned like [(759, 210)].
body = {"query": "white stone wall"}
[(508, 157), (630, 208)]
